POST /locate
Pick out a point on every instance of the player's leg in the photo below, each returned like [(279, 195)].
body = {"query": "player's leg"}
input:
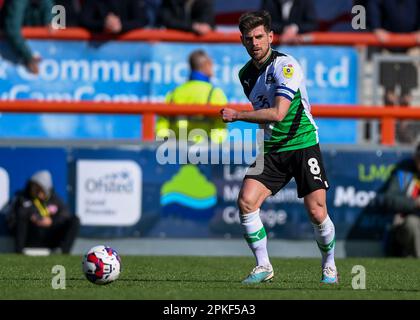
[(388, 73), (312, 184), (407, 79), (315, 203), (406, 130), (252, 195), (265, 177)]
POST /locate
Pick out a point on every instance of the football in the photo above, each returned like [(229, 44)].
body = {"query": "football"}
[(101, 265)]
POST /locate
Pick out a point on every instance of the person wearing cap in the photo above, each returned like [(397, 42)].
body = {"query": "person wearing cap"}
[(401, 196), (40, 218)]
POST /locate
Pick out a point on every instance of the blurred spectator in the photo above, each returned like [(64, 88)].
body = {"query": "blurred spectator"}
[(291, 17), (397, 16), (25, 13), (1, 4), (197, 90), (152, 8), (402, 196), (37, 217), (188, 15), (73, 10), (113, 16)]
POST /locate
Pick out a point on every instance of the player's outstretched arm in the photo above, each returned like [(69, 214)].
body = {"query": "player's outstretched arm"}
[(273, 114)]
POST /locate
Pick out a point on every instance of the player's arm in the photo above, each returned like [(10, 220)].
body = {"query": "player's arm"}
[(276, 113)]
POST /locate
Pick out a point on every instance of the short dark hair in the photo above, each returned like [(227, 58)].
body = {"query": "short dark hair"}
[(196, 59), (251, 20)]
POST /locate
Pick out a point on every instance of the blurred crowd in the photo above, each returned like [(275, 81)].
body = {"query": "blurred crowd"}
[(290, 19)]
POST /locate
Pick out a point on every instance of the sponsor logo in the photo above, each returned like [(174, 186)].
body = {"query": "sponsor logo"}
[(189, 188), (318, 178), (270, 78), (109, 192), (348, 196), (288, 71), (374, 172)]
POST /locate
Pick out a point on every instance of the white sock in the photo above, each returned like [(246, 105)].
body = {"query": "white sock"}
[(325, 238), (255, 236)]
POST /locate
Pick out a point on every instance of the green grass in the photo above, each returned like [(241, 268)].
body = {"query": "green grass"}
[(199, 278)]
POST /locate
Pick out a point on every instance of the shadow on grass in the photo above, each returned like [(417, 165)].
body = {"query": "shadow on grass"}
[(335, 288)]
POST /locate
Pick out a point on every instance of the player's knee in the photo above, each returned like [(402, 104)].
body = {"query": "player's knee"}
[(317, 211), (247, 204)]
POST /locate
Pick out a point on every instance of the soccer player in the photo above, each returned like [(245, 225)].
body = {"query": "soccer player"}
[(275, 85)]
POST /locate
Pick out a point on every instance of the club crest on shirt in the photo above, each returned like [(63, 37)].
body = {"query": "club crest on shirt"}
[(288, 70), (270, 78)]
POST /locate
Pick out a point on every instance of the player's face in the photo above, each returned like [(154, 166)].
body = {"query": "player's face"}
[(208, 68), (37, 192), (257, 42)]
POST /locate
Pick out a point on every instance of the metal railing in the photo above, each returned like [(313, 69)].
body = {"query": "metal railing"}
[(387, 116), (155, 35), (149, 110)]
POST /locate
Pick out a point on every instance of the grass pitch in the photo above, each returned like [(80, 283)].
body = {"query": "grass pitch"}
[(204, 278)]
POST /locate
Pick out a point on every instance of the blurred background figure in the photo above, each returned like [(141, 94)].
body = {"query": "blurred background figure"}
[(38, 218), (25, 13), (402, 196), (188, 15), (397, 78), (197, 90), (113, 16), (291, 17)]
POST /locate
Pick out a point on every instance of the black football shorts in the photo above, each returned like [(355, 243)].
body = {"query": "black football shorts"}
[(278, 168)]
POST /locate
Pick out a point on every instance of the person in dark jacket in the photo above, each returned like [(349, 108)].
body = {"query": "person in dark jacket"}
[(113, 16), (187, 15), (291, 17), (25, 13), (39, 218), (402, 196)]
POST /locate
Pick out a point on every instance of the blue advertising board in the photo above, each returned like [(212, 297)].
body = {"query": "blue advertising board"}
[(21, 163), (136, 71), (17, 165), (120, 192)]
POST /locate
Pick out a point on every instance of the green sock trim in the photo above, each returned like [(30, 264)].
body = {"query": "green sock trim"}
[(256, 236), (326, 247)]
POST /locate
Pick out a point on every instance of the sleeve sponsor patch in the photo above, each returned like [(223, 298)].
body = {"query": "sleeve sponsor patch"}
[(288, 71)]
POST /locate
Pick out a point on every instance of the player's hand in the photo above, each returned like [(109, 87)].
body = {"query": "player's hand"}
[(290, 34), (201, 28), (112, 24), (417, 35), (382, 35), (229, 115), (33, 65), (44, 222)]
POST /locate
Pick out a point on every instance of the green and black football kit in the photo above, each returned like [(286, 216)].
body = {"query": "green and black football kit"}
[(291, 146)]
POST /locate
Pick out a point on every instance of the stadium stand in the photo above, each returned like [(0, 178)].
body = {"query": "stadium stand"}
[(83, 110)]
